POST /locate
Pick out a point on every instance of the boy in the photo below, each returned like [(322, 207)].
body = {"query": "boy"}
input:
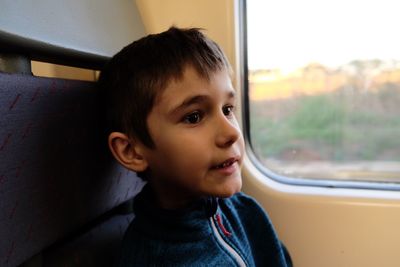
[(170, 103)]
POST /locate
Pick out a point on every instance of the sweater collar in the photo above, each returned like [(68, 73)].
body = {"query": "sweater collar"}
[(191, 223)]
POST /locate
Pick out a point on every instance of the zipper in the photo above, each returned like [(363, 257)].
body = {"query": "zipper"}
[(225, 245)]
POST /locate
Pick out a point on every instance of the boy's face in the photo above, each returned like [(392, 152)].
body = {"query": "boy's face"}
[(198, 143)]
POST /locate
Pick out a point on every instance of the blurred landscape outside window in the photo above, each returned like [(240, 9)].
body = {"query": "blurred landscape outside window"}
[(324, 88)]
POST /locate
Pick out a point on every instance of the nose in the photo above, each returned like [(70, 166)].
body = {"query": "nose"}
[(227, 131)]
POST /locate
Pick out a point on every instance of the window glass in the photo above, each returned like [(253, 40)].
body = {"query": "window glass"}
[(324, 88)]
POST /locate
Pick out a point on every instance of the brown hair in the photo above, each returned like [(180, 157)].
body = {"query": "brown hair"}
[(137, 74)]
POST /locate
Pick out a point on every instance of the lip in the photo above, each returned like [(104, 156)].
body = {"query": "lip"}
[(232, 165)]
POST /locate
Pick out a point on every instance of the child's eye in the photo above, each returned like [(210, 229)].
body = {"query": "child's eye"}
[(193, 118), (228, 110)]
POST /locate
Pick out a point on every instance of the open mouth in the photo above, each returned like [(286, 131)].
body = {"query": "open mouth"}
[(225, 164)]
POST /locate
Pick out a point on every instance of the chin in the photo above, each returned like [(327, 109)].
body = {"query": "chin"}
[(231, 189)]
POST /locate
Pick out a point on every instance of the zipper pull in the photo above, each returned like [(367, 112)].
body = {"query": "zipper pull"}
[(221, 226)]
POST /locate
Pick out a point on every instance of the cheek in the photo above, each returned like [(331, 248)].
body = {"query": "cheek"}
[(186, 151), (194, 151)]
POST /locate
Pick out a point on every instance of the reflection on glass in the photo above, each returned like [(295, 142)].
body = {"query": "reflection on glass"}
[(325, 88)]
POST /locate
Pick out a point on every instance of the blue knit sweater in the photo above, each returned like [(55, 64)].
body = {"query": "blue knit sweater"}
[(212, 232)]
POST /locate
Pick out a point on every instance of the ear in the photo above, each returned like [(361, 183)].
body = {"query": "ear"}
[(127, 151)]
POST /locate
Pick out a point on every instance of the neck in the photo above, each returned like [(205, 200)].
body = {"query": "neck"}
[(171, 198)]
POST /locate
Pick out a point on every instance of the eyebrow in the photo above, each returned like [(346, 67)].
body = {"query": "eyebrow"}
[(198, 99)]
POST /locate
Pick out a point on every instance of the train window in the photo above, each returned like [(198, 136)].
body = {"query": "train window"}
[(324, 89)]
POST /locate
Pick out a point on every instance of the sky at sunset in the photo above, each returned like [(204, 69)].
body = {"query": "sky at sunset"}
[(288, 34)]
